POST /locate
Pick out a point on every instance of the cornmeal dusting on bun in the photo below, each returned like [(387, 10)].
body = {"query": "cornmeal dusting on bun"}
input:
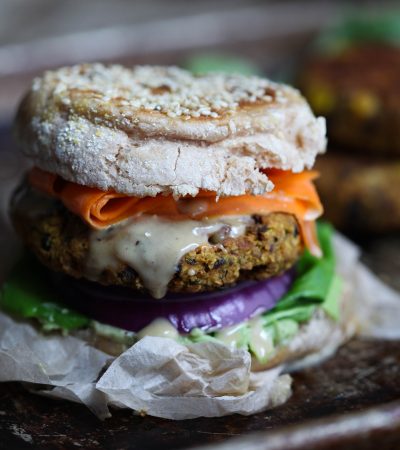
[(152, 129)]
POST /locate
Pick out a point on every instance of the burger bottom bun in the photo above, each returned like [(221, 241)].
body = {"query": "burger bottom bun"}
[(315, 341)]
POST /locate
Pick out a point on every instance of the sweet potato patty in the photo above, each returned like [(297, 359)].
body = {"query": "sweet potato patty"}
[(60, 240), (368, 199), (357, 90)]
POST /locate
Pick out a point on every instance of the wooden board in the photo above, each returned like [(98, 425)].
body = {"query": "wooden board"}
[(363, 374)]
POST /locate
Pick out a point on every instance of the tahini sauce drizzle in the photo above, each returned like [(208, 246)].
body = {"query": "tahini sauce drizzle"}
[(160, 328), (153, 246)]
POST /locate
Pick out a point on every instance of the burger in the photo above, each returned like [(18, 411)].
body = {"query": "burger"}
[(169, 204), (351, 77)]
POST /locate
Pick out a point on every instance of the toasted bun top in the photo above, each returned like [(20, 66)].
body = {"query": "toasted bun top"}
[(151, 129)]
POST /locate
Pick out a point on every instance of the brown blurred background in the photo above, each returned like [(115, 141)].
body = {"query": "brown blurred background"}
[(272, 37), (37, 34)]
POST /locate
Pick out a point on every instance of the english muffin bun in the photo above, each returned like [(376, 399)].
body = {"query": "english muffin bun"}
[(151, 130)]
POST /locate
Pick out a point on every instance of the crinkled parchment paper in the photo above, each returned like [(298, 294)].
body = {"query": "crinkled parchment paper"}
[(163, 378)]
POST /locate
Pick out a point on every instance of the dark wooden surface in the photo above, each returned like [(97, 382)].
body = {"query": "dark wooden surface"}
[(363, 374)]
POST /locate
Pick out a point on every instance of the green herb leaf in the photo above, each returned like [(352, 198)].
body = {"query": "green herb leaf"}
[(314, 275), (27, 294), (359, 28), (214, 62), (331, 304)]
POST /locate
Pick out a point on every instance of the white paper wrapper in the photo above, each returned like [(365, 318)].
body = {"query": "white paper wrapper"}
[(160, 377), (157, 376), (376, 306)]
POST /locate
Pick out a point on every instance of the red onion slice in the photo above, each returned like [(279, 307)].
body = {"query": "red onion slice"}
[(208, 311)]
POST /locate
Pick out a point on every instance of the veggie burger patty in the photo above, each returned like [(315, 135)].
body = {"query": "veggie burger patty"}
[(357, 90), (270, 245)]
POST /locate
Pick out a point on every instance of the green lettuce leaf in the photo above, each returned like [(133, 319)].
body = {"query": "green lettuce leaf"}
[(314, 275), (359, 28), (215, 62), (27, 293)]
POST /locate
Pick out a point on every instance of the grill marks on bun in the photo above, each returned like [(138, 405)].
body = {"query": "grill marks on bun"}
[(163, 90), (151, 130)]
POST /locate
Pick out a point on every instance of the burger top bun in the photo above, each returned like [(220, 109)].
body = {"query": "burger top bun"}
[(152, 129)]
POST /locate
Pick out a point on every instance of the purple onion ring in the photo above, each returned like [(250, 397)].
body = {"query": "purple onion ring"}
[(207, 311)]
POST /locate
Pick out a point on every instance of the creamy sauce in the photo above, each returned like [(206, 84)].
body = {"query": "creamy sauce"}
[(261, 340), (153, 246), (251, 332), (159, 328), (114, 333), (231, 336)]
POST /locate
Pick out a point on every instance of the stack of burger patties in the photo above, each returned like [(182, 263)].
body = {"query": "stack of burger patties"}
[(166, 204), (351, 77)]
